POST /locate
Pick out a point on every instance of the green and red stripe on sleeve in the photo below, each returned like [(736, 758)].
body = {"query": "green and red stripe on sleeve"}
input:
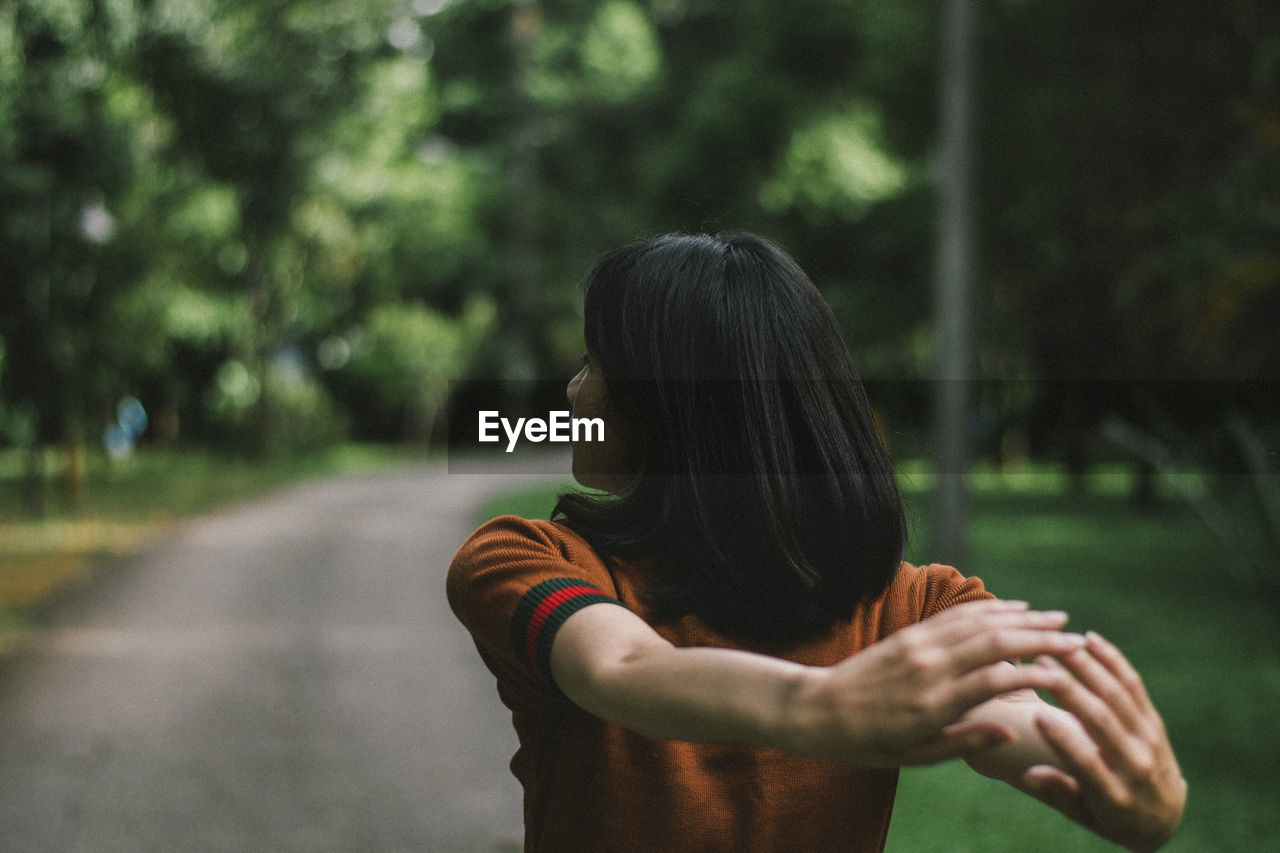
[(541, 612)]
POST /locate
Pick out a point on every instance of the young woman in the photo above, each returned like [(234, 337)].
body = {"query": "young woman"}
[(724, 651)]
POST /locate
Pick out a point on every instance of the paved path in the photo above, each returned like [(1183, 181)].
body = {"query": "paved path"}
[(283, 676)]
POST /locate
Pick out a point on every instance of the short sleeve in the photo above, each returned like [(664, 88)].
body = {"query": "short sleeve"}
[(513, 583), (939, 587)]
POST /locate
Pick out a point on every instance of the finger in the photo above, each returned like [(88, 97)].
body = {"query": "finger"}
[(976, 613), (971, 608), (997, 679), (1005, 641), (967, 615), (979, 634), (1055, 789), (1128, 739), (1086, 706), (1092, 743), (957, 741), (983, 625), (1103, 683), (1081, 757), (1119, 665)]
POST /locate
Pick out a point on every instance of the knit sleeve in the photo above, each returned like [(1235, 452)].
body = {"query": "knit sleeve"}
[(513, 583), (939, 587)]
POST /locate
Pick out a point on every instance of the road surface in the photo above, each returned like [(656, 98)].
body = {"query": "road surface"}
[(282, 676)]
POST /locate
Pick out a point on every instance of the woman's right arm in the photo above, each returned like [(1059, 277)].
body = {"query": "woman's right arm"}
[(900, 701)]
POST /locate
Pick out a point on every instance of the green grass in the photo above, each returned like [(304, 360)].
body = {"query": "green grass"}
[(526, 503), (171, 483), (1157, 584), (52, 543)]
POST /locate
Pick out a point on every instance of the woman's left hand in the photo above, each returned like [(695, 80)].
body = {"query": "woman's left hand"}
[(1118, 774)]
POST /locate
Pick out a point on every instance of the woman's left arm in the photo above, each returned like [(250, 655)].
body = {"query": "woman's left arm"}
[(1103, 758)]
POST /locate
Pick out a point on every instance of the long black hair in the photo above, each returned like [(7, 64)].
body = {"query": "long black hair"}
[(762, 491)]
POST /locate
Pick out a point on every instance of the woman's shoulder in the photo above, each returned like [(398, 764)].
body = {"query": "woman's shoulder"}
[(515, 549), (515, 532), (920, 591), (512, 584), (510, 528)]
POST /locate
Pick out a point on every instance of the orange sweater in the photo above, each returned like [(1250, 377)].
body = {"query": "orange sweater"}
[(593, 786)]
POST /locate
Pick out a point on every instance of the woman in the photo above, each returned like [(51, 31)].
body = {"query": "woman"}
[(725, 651)]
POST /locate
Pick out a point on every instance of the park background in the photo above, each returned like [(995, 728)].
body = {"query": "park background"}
[(247, 241)]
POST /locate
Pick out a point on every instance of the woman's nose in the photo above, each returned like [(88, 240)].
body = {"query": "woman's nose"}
[(572, 391)]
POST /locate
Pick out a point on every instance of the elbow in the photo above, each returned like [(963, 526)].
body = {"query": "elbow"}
[(610, 687)]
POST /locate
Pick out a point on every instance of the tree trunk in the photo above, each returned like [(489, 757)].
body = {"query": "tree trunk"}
[(954, 278)]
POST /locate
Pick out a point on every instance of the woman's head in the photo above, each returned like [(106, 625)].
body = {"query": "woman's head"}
[(757, 480)]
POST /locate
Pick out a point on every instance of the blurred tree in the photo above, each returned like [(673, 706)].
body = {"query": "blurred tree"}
[(402, 361), (1129, 179), (63, 166), (209, 202), (249, 90), (196, 195), (645, 118), (954, 369)]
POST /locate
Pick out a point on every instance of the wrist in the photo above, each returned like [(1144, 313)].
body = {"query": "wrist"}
[(803, 722)]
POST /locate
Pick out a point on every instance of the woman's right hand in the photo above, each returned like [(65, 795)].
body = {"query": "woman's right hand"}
[(901, 701)]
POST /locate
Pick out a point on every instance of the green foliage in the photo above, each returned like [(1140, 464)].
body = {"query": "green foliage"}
[(192, 185), (1127, 158), (234, 392), (404, 357), (299, 415), (620, 50), (836, 165), (258, 178), (159, 317)]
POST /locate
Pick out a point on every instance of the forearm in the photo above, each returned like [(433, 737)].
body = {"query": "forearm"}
[(899, 701), (695, 694)]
